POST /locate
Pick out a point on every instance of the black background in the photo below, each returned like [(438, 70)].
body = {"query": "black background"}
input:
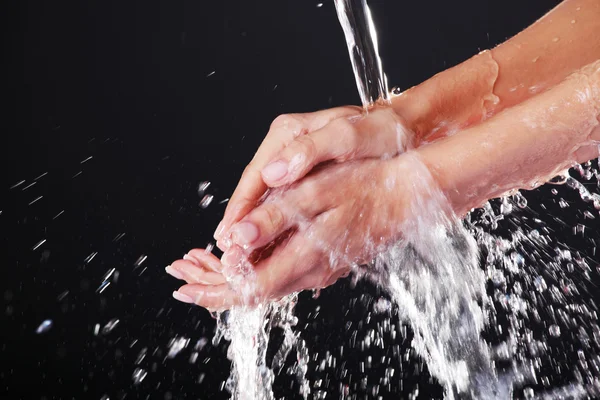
[(127, 82)]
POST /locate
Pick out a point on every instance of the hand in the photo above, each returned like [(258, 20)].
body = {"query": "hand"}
[(298, 142), (337, 217), (332, 213)]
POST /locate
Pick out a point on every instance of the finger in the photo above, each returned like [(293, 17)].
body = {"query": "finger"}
[(283, 130), (261, 226), (214, 298), (251, 186), (208, 260), (381, 133), (289, 269), (193, 273), (281, 212)]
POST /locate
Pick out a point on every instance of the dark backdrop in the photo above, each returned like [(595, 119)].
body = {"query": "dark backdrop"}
[(163, 95)]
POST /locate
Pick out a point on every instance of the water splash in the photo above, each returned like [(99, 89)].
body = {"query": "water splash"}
[(248, 330)]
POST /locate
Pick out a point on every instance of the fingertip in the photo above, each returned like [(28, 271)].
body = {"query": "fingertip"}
[(173, 272), (275, 172), (219, 231), (244, 233), (206, 259), (184, 298), (232, 257), (210, 297)]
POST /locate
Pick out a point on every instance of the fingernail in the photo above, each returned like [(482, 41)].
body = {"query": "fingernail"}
[(222, 245), (244, 233), (187, 257), (173, 272), (275, 171), (232, 257), (219, 231), (182, 297)]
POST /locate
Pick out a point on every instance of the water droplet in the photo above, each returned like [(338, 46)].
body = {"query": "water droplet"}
[(139, 375), (110, 325), (540, 284), (141, 356), (200, 344), (140, 260), (37, 246), (520, 200), (202, 188), (382, 306), (177, 344), (206, 200), (554, 330), (44, 327), (62, 295), (563, 204)]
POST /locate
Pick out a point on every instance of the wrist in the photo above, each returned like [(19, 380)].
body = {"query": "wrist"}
[(451, 100)]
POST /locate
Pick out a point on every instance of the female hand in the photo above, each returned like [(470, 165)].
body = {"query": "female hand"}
[(298, 142), (323, 223), (343, 214), (462, 96)]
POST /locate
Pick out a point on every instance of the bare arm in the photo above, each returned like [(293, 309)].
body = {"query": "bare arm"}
[(522, 147), (564, 40)]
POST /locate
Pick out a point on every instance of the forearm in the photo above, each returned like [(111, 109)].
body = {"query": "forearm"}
[(522, 147), (542, 55)]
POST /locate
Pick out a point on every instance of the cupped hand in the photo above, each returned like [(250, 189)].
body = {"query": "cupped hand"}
[(296, 143), (337, 217)]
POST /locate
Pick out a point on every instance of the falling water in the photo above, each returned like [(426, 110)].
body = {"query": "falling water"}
[(361, 38)]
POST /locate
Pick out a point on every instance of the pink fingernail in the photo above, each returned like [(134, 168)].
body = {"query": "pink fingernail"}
[(182, 297), (275, 171), (222, 245), (244, 233), (173, 272), (187, 257), (232, 257), (219, 231)]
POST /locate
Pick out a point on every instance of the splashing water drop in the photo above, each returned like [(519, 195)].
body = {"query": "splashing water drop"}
[(202, 187), (44, 327), (139, 375), (554, 330), (206, 200), (140, 260), (110, 326), (177, 345)]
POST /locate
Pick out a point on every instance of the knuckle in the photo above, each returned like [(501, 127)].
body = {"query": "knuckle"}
[(251, 172), (273, 217), (351, 139), (285, 121), (307, 146), (311, 190)]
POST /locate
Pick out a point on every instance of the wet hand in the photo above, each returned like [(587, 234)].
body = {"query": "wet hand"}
[(337, 217), (296, 143)]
